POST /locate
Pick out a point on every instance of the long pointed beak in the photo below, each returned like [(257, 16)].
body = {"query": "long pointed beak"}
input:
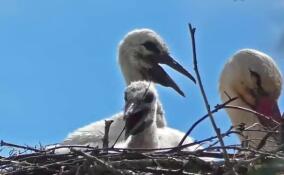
[(168, 60), (157, 74), (134, 116), (130, 109)]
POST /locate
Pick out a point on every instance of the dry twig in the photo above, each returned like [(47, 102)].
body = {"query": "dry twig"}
[(109, 160), (217, 130), (217, 108)]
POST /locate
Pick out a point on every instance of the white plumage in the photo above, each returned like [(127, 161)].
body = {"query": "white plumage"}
[(255, 79), (140, 115), (140, 53)]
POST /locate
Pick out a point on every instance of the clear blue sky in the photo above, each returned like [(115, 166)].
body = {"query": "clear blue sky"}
[(58, 59)]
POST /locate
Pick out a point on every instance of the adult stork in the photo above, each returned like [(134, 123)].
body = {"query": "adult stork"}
[(255, 79), (140, 115), (140, 54)]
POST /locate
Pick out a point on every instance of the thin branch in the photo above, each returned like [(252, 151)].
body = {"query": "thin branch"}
[(118, 137), (98, 161), (251, 111), (217, 130), (2, 143), (217, 108)]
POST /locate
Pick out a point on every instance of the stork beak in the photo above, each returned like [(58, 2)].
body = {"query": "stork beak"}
[(268, 107), (168, 60), (134, 116), (130, 109), (157, 74)]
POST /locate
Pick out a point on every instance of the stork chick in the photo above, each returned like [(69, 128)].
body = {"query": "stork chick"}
[(141, 103), (255, 79), (140, 54), (140, 115)]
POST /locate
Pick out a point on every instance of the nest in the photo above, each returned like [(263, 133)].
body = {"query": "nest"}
[(86, 160), (214, 157)]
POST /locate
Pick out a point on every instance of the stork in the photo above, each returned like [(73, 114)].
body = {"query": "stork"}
[(140, 54), (255, 79), (140, 115)]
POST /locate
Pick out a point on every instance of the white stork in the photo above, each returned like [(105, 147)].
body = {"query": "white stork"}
[(140, 115), (140, 54), (255, 79)]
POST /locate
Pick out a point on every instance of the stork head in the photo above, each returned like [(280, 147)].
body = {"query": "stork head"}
[(140, 54), (255, 79), (140, 107)]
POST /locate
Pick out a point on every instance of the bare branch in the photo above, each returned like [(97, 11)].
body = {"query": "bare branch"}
[(251, 111), (217, 108), (99, 162), (217, 130), (2, 143), (118, 137)]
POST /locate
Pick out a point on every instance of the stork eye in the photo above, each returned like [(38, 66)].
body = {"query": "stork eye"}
[(151, 47), (257, 77), (149, 98), (258, 82)]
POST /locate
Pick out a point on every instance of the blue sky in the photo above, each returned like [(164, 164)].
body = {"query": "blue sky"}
[(58, 59)]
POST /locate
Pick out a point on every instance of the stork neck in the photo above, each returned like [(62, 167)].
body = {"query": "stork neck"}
[(148, 137), (130, 68)]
